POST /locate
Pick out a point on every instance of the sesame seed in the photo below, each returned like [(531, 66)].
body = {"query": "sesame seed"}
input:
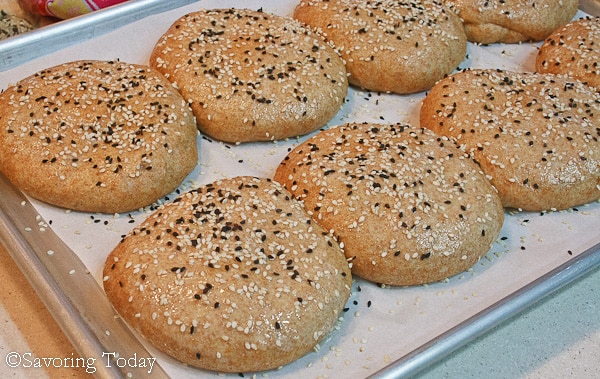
[(226, 245), (229, 57), (394, 186)]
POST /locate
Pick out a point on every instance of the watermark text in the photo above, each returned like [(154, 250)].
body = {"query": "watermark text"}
[(90, 365)]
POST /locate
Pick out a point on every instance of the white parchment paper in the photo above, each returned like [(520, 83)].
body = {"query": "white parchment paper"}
[(381, 324)]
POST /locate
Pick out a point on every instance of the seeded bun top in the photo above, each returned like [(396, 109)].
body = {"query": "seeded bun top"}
[(512, 21), (96, 136), (573, 50), (390, 46), (409, 207), (537, 136), (234, 276), (250, 75)]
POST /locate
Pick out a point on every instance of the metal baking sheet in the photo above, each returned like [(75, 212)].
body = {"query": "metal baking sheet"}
[(386, 332), (39, 42)]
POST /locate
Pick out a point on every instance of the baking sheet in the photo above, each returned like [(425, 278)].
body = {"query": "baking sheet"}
[(57, 35), (386, 331)]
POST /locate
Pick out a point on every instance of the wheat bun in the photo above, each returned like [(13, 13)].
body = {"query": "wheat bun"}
[(535, 135), (390, 46), (407, 205), (573, 51), (512, 21), (97, 136), (233, 276), (252, 76)]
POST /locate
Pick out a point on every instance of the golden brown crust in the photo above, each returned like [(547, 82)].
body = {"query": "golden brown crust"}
[(252, 76), (407, 205), (537, 136), (390, 46), (573, 51), (234, 276), (511, 21), (96, 136)]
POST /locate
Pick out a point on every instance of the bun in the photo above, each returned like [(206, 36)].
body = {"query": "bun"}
[(96, 136), (233, 276), (252, 76), (512, 21), (573, 51), (407, 205), (535, 135), (390, 46)]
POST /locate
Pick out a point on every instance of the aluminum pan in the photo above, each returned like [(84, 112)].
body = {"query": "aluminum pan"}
[(19, 49), (73, 297), (54, 288), (491, 317)]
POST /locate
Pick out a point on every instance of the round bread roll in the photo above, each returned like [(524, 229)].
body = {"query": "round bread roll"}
[(252, 76), (97, 136), (537, 136), (573, 50), (234, 276), (390, 46), (512, 21), (408, 206)]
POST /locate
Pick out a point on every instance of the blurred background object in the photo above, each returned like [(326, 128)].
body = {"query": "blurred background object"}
[(64, 9), (19, 16)]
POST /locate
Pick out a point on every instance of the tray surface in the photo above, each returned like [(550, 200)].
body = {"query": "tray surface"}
[(535, 253)]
